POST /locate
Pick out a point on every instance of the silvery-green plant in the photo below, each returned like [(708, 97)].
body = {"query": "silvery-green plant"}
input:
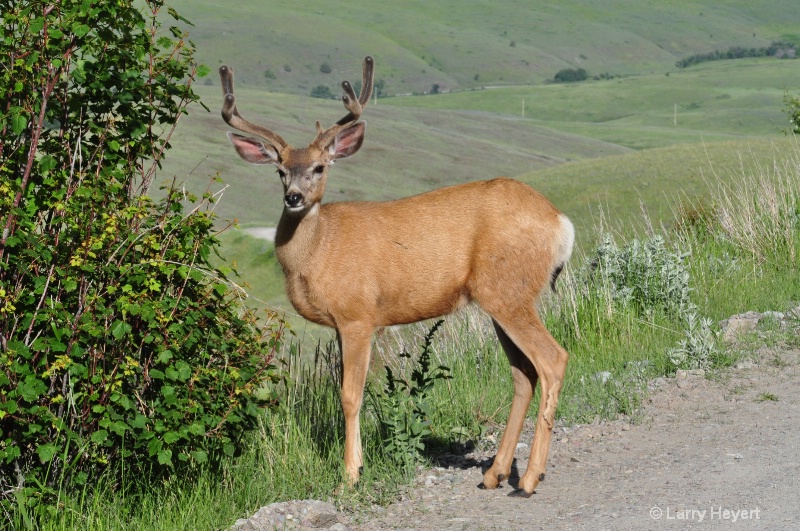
[(644, 274), (698, 348)]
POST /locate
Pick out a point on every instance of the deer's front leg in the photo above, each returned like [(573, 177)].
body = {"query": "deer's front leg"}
[(355, 342)]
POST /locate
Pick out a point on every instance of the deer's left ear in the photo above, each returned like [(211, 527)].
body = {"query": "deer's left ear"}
[(348, 141)]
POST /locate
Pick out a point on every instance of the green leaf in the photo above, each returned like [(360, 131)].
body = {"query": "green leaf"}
[(200, 456), (18, 124), (165, 457), (154, 446), (139, 422), (184, 370), (46, 452), (31, 388), (171, 436), (120, 328), (47, 163), (99, 436), (80, 30), (119, 427)]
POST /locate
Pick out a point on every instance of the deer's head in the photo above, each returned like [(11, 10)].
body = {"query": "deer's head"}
[(303, 171)]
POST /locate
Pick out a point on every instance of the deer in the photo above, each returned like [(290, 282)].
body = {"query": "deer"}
[(357, 267)]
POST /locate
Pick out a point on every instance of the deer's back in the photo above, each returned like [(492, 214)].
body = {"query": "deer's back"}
[(426, 255)]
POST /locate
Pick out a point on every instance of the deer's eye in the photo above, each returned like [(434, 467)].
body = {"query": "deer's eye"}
[(319, 169), (282, 174)]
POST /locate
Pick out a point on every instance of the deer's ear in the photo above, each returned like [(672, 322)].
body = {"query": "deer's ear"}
[(253, 150), (348, 141)]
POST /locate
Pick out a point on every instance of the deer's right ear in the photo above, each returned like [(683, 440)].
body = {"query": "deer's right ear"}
[(253, 150), (348, 141)]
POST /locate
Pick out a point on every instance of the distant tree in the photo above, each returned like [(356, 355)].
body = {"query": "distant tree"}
[(322, 91), (570, 75), (287, 68), (269, 74), (325, 68), (435, 88)]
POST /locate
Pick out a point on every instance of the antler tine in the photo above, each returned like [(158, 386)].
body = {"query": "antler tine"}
[(232, 117), (355, 105), (366, 80)]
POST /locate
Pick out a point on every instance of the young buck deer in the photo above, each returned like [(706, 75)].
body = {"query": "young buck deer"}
[(358, 266)]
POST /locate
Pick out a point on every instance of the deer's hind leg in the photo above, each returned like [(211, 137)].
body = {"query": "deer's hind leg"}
[(524, 376), (532, 340)]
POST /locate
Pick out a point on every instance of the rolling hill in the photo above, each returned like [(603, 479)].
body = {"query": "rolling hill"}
[(462, 45)]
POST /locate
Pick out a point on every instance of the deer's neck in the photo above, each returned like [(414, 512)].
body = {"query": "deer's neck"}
[(297, 238)]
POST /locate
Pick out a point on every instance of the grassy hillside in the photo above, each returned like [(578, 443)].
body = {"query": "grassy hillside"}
[(415, 144), (407, 151), (713, 101), (470, 44)]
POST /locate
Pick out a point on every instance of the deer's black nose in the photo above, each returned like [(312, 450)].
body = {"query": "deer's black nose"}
[(293, 200)]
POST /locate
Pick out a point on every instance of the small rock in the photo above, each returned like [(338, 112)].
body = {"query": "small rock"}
[(602, 376), (522, 446), (738, 325), (306, 513)]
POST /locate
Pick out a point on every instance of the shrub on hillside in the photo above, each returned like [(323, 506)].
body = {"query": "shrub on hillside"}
[(778, 49), (322, 91), (120, 342), (570, 75)]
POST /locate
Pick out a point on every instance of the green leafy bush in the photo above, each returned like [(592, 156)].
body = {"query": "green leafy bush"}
[(120, 342), (792, 109), (404, 405)]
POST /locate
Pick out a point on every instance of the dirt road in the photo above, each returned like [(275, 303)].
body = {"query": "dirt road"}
[(708, 454)]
